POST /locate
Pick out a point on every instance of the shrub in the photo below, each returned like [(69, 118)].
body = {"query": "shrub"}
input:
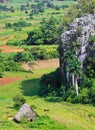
[(50, 82), (44, 53), (1, 73), (19, 101), (23, 56), (15, 42)]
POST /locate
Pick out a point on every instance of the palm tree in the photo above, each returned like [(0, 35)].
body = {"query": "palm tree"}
[(65, 61), (75, 71)]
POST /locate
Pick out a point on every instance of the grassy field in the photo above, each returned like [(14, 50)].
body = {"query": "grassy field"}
[(61, 115), (11, 17)]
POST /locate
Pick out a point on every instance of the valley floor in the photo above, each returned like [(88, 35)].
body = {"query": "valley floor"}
[(70, 116)]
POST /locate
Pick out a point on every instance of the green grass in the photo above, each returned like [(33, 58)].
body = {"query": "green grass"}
[(67, 116), (61, 115), (11, 17)]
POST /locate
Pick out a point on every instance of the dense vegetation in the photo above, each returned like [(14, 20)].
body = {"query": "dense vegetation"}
[(60, 87), (35, 26), (47, 33)]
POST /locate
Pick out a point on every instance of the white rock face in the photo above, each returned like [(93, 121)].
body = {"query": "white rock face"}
[(87, 24)]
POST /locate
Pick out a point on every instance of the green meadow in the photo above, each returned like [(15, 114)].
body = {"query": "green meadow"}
[(61, 115), (18, 15)]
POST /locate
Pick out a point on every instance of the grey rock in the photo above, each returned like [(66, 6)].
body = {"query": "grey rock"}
[(87, 25), (26, 112), (87, 22)]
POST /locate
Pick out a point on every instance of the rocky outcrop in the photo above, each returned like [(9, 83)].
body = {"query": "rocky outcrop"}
[(87, 24), (26, 112), (80, 30)]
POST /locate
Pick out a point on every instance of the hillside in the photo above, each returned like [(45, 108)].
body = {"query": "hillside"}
[(70, 116)]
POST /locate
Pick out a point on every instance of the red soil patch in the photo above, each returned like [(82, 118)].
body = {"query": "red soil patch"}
[(4, 81), (8, 49)]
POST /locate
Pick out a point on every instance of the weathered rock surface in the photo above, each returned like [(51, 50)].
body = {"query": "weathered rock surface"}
[(87, 24), (26, 112)]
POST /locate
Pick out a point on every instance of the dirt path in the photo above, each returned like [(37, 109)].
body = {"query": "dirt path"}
[(9, 49), (7, 39), (41, 64), (4, 81)]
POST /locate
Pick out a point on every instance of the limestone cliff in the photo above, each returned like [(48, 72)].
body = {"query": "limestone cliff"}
[(80, 30)]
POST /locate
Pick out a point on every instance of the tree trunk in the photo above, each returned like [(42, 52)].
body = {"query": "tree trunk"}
[(76, 86), (73, 79)]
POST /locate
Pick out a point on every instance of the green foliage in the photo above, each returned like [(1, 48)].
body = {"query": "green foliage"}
[(86, 95), (19, 101), (35, 37), (50, 83), (23, 56), (89, 64), (1, 72), (15, 42), (45, 34), (44, 53), (78, 10), (8, 63), (91, 40), (17, 24)]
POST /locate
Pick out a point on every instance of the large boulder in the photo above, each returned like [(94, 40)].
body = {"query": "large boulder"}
[(26, 112)]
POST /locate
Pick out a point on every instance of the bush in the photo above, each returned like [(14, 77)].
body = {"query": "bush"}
[(19, 101), (44, 53), (23, 56), (46, 34), (17, 25), (50, 82), (1, 73), (86, 93), (15, 42), (12, 66)]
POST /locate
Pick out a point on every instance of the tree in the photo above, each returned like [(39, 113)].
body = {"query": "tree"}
[(72, 69), (75, 71), (45, 34), (35, 37), (49, 29)]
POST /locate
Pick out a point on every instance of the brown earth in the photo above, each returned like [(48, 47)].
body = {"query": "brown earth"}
[(4, 81), (9, 49), (41, 64)]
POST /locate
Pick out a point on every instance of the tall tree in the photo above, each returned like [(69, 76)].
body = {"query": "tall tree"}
[(75, 71)]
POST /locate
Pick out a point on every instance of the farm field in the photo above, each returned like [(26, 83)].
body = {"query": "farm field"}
[(7, 34)]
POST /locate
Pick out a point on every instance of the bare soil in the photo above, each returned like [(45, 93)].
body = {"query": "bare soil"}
[(9, 49), (41, 64), (4, 81)]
